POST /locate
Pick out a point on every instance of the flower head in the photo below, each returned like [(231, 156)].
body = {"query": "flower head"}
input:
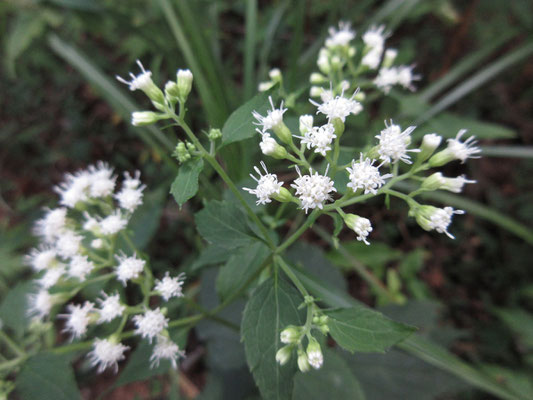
[(361, 226), (170, 286), (372, 58), (102, 180), (375, 37), (80, 266), (364, 175), (320, 138), (463, 150), (110, 307), (129, 267), (273, 118), (340, 37), (131, 195), (165, 349), (52, 276), (78, 318), (339, 107), (74, 188), (113, 223), (313, 190), (40, 303), (433, 218), (393, 143), (42, 258), (106, 353), (267, 185), (141, 81), (68, 244), (270, 147), (52, 225), (150, 324)]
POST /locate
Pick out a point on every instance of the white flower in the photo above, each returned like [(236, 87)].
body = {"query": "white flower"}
[(80, 267), (74, 188), (106, 354), (129, 267), (42, 258), (375, 37), (102, 180), (131, 195), (433, 218), (170, 286), (273, 118), (40, 303), (52, 276), (110, 307), (340, 37), (372, 58), (267, 185), (143, 81), (387, 78), (268, 144), (362, 227), (339, 107), (315, 358), (165, 349), (97, 243), (455, 184), (463, 150), (320, 138), (68, 244), (364, 175), (78, 318), (150, 324), (431, 141), (406, 77), (91, 224), (393, 144), (305, 123), (113, 223), (52, 224), (313, 190)]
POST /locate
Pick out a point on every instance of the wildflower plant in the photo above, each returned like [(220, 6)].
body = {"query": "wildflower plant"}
[(304, 174)]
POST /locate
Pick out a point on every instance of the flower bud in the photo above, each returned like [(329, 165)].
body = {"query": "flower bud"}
[(97, 244), (389, 57), (184, 82), (352, 51), (303, 362), (181, 153), (441, 158), (361, 226), (275, 75), (214, 134), (283, 133), (339, 126), (314, 353), (271, 148), (317, 78), (336, 62), (284, 354), (306, 123), (433, 182), (436, 181), (290, 334), (143, 118), (323, 63), (283, 196), (264, 86), (430, 142), (315, 91), (172, 92)]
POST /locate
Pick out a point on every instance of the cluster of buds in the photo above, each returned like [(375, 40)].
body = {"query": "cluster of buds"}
[(293, 339), (275, 79), (79, 246), (184, 151), (340, 63), (175, 92)]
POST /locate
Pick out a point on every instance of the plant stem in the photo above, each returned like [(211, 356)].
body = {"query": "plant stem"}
[(11, 364), (312, 218), (12, 345), (288, 271)]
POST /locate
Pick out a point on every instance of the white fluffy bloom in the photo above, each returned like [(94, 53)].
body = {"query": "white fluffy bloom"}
[(405, 77), (80, 266), (375, 37), (131, 195), (52, 225), (273, 118), (143, 81), (340, 37), (442, 218), (315, 358), (129, 267), (110, 307), (165, 349), (463, 150), (364, 175), (393, 144), (74, 188), (313, 190), (42, 258), (40, 303), (455, 185), (339, 107), (267, 185), (52, 276), (78, 318), (170, 287), (373, 57), (68, 244), (387, 78), (362, 228), (320, 138), (150, 324), (113, 223), (106, 354), (102, 180)]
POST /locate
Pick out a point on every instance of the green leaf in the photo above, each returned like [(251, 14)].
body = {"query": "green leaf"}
[(185, 185), (47, 377), (239, 125), (210, 255), (242, 266), (14, 310), (224, 224), (365, 330), (145, 220), (375, 256), (519, 322), (272, 307), (334, 380)]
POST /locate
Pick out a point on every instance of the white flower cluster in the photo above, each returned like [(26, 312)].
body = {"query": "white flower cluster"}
[(78, 244)]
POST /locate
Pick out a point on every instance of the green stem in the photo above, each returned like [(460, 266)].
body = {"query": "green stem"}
[(12, 345), (288, 271), (312, 218), (11, 364)]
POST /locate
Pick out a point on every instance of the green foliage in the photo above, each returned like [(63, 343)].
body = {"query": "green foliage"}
[(14, 308), (185, 185)]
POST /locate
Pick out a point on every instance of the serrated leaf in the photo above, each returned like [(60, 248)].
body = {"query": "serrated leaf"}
[(239, 125), (47, 377), (241, 267), (14, 310), (224, 224), (210, 255), (185, 185), (365, 330), (334, 380), (272, 307)]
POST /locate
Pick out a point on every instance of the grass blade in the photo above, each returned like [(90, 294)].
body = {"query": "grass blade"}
[(270, 33), (508, 151), (477, 80), (249, 48)]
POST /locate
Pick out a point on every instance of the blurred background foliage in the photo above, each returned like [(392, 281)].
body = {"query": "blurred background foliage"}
[(61, 109)]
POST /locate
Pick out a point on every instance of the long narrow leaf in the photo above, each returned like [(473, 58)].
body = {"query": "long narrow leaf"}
[(416, 345), (270, 33), (508, 151), (477, 80), (249, 48)]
